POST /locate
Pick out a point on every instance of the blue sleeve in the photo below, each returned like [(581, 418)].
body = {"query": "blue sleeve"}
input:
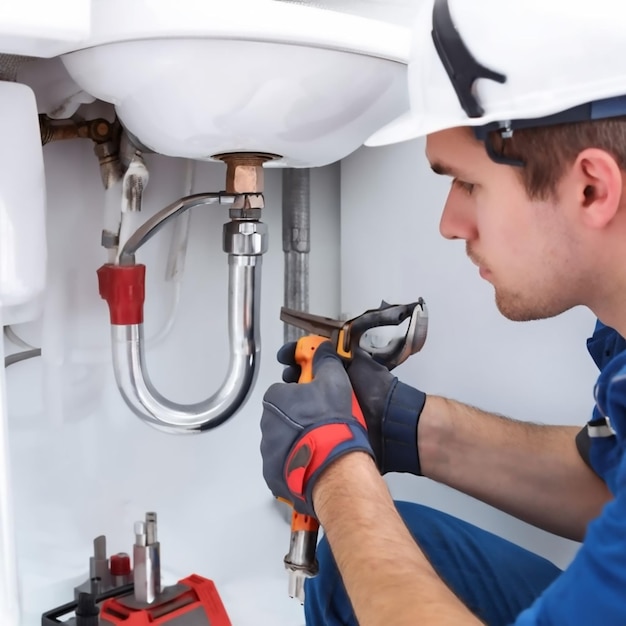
[(592, 590)]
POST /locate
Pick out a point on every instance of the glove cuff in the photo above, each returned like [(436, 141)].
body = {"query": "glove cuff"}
[(401, 416), (314, 451)]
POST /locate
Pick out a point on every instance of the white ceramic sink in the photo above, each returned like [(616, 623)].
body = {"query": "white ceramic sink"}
[(194, 78)]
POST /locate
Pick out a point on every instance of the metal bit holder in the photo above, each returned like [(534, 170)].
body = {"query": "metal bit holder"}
[(99, 579), (300, 562), (147, 560)]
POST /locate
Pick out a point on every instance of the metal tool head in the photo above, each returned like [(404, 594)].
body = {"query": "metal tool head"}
[(296, 585), (297, 577), (311, 323), (399, 349), (301, 562), (348, 335)]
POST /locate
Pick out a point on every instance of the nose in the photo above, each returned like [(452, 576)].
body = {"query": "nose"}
[(457, 220)]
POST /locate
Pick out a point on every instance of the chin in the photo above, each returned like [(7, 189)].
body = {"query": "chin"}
[(515, 313), (517, 309)]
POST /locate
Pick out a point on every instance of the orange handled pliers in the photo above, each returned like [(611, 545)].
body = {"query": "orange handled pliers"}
[(346, 337)]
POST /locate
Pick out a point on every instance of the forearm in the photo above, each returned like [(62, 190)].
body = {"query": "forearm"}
[(531, 471), (386, 575)]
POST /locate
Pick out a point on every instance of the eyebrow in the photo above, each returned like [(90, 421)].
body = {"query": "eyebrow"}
[(445, 170)]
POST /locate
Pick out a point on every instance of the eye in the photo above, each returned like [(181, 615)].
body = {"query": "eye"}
[(467, 188)]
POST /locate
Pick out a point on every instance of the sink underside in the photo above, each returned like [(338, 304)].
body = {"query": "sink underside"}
[(194, 81), (196, 98)]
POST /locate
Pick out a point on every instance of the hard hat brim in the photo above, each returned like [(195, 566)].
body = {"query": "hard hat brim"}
[(403, 128)]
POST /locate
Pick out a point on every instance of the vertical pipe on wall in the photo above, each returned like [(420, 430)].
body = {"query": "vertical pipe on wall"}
[(296, 242)]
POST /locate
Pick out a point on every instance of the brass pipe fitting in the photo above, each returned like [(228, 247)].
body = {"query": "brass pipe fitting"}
[(98, 130), (245, 180)]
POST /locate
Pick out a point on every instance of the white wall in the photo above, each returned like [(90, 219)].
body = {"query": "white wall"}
[(84, 465), (391, 249)]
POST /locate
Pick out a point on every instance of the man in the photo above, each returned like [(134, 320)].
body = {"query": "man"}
[(522, 105)]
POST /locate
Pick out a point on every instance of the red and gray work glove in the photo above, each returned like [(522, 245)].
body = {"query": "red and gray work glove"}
[(306, 427), (391, 409)]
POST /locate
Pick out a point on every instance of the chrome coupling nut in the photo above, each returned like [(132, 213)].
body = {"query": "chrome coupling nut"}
[(245, 238)]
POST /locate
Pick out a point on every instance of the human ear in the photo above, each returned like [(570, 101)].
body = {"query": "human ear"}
[(597, 181)]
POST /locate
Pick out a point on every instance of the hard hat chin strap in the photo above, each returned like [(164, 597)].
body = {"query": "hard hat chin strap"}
[(590, 111), (485, 134)]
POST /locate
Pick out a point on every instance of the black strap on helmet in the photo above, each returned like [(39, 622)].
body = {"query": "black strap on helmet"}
[(463, 71), (461, 67), (589, 111)]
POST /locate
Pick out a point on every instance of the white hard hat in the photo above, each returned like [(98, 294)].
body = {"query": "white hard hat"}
[(509, 64)]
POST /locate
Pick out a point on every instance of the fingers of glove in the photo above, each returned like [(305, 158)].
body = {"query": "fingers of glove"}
[(329, 368), (302, 405), (363, 366), (277, 438), (370, 380), (291, 374), (287, 356), (284, 419), (290, 403), (287, 353)]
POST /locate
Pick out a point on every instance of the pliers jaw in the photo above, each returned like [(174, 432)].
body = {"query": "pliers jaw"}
[(349, 335)]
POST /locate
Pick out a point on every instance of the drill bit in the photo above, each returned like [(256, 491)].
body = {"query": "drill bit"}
[(300, 561)]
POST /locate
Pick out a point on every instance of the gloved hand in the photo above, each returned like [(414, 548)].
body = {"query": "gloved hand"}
[(391, 409), (307, 426)]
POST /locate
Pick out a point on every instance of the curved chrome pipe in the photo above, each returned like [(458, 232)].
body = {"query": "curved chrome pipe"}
[(244, 242), (152, 226)]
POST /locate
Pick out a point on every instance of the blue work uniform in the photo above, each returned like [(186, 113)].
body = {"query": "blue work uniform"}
[(592, 590), (497, 580)]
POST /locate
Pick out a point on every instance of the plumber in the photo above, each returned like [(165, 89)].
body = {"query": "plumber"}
[(523, 106)]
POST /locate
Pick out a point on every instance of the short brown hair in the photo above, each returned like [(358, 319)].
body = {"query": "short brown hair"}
[(547, 151)]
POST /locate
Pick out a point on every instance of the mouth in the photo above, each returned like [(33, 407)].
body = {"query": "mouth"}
[(482, 270)]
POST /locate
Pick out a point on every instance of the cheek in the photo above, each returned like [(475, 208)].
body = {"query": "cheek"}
[(500, 227), (510, 232)]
